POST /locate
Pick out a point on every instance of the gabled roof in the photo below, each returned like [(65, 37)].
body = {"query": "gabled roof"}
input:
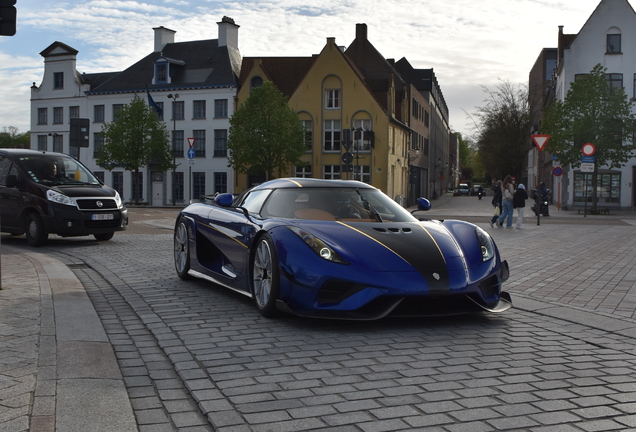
[(422, 80), (285, 72), (194, 64), (58, 48)]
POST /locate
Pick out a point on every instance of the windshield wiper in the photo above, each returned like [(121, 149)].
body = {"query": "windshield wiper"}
[(368, 206)]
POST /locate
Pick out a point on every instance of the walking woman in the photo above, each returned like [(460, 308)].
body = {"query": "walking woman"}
[(496, 202), (507, 193)]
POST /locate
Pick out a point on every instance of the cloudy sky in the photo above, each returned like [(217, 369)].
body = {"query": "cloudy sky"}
[(469, 43)]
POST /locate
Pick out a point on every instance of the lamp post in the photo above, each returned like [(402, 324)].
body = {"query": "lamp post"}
[(174, 98)]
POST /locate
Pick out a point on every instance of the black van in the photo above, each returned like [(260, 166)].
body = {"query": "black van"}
[(45, 192)]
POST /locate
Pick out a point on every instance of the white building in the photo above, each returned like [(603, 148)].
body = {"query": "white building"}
[(609, 38), (193, 83)]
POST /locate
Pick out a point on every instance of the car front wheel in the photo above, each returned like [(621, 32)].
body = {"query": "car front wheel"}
[(182, 250), (36, 235), (265, 277)]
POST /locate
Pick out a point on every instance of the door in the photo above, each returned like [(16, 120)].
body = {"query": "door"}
[(157, 189), (10, 197)]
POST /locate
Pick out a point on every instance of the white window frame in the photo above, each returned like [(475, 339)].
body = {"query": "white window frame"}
[(332, 99), (330, 144)]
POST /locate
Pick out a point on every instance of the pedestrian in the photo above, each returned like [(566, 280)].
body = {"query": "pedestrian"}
[(507, 193), (496, 202), (519, 202)]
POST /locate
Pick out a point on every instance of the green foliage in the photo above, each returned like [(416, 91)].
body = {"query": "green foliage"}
[(10, 137), (503, 126), (137, 138), (265, 134), (592, 112)]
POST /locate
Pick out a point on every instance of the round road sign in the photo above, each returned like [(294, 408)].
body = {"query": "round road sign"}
[(588, 149), (557, 171)]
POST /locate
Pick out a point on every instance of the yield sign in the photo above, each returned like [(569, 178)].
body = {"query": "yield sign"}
[(191, 142), (540, 141)]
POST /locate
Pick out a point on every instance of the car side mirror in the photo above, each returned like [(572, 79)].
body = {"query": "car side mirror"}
[(423, 204), (224, 199), (12, 180)]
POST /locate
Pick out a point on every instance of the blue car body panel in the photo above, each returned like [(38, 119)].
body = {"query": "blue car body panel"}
[(390, 267)]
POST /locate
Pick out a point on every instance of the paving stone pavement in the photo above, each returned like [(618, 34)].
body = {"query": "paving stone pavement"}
[(194, 356)]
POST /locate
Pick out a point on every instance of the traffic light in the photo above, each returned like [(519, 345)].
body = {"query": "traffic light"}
[(8, 17)]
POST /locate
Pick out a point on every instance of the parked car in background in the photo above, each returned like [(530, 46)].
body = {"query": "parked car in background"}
[(44, 193), (463, 189)]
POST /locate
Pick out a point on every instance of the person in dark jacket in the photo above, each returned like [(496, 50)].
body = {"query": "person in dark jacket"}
[(496, 202), (519, 202)]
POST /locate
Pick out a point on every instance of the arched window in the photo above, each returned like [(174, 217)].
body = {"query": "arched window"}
[(256, 82), (613, 41)]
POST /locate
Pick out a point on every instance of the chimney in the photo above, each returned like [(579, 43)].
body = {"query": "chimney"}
[(361, 31), (228, 32), (163, 36)]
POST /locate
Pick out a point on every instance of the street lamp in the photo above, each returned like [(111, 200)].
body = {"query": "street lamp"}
[(174, 98)]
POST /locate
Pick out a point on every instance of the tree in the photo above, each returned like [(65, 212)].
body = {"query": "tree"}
[(594, 112), (265, 134), (503, 126), (135, 139), (10, 137)]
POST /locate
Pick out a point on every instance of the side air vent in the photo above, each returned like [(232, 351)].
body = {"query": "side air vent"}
[(393, 230)]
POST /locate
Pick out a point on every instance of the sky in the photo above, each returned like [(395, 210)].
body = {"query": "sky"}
[(470, 44)]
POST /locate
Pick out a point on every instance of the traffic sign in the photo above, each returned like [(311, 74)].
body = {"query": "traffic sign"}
[(557, 171), (588, 149), (588, 159), (587, 167), (190, 153), (540, 141), (347, 157), (190, 142)]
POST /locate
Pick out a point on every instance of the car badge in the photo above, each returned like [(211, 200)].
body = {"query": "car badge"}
[(100, 204), (436, 276)]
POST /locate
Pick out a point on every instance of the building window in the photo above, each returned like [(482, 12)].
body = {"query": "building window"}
[(614, 80), (198, 107), (426, 118), (58, 80), (138, 189), (198, 185), (362, 135), (332, 99), (99, 175), (303, 171), (199, 143), (117, 108), (58, 115), (220, 182), (332, 136), (177, 143), (425, 147), (331, 172), (98, 143), (308, 125), (73, 112), (42, 139), (98, 113), (178, 186), (42, 116), (362, 173), (161, 73), (256, 82), (58, 143), (608, 187), (220, 142), (613, 43), (178, 110), (220, 108), (118, 183)]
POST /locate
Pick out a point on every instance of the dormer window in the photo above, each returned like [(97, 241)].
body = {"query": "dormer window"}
[(613, 43), (161, 73)]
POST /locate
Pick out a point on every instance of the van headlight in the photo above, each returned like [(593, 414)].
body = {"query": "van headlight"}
[(59, 198), (118, 200)]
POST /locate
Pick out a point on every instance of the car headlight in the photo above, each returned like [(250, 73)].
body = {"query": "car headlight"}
[(118, 200), (318, 246), (59, 198), (486, 245)]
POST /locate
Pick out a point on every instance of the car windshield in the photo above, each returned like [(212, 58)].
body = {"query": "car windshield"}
[(56, 170), (347, 204)]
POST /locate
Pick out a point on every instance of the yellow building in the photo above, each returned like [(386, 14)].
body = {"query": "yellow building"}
[(351, 103)]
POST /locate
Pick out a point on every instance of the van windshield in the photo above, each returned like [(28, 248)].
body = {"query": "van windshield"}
[(56, 170)]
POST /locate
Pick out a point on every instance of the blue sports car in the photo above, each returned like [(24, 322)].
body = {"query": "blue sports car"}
[(338, 249)]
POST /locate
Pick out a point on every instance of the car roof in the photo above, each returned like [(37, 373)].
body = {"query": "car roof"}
[(28, 152), (295, 182)]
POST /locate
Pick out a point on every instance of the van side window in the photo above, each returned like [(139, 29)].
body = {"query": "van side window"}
[(6, 168)]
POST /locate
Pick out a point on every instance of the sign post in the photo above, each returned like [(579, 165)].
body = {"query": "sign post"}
[(587, 166), (191, 154), (540, 141)]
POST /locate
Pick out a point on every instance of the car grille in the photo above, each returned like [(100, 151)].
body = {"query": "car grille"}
[(91, 204)]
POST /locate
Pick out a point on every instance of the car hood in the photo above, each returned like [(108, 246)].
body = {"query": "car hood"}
[(85, 191), (425, 247)]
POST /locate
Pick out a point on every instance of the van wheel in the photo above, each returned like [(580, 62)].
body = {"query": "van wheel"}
[(36, 235), (104, 237)]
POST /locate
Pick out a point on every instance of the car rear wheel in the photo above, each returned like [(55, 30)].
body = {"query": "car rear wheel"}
[(104, 236), (36, 235), (265, 277), (182, 250)]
